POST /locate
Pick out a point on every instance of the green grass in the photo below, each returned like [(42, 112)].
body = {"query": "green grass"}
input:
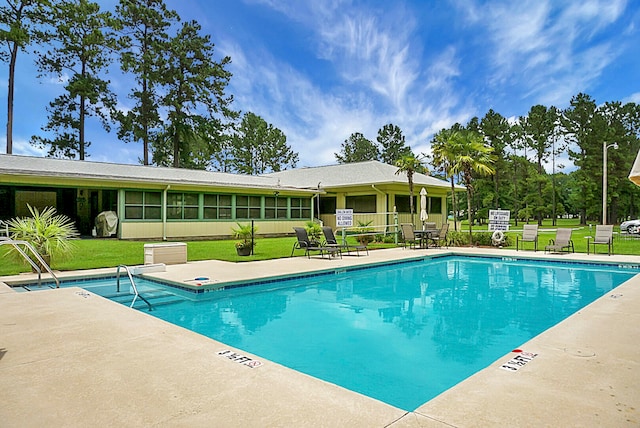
[(578, 236), (98, 253)]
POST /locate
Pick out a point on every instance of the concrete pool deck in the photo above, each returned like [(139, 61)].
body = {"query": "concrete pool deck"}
[(72, 358)]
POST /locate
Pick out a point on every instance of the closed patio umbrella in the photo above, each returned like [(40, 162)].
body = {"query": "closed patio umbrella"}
[(423, 207), (634, 175)]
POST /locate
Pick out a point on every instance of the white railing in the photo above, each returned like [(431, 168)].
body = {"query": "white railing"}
[(17, 245), (133, 285)]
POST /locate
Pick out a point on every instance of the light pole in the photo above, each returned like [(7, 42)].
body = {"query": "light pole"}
[(604, 178)]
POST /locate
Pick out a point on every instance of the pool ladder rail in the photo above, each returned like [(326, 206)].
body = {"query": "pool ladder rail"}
[(136, 294), (17, 244)]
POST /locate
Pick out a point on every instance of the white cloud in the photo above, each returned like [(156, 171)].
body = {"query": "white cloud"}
[(379, 80), (24, 148), (542, 44), (633, 98), (315, 122)]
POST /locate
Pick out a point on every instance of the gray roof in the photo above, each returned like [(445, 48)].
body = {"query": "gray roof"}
[(353, 174), (110, 172)]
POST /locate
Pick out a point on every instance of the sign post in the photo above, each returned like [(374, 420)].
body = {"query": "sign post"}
[(499, 220), (344, 218)]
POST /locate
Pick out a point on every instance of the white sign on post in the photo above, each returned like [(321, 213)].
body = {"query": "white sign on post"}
[(499, 219), (344, 218)]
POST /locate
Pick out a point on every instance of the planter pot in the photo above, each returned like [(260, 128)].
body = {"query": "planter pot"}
[(244, 251)]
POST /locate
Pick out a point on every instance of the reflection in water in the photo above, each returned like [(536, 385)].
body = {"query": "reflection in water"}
[(401, 334)]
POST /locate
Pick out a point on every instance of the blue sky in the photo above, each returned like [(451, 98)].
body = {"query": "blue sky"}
[(321, 70)]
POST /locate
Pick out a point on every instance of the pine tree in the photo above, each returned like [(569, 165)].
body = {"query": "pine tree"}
[(82, 41), (144, 27)]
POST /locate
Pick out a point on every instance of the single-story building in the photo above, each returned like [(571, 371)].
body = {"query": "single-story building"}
[(168, 203), (372, 189)]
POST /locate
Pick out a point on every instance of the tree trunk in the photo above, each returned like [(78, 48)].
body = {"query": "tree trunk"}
[(12, 73), (469, 216), (81, 130), (454, 205), (145, 124), (467, 183)]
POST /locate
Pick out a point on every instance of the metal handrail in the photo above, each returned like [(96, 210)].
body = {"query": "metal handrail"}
[(133, 285), (15, 243)]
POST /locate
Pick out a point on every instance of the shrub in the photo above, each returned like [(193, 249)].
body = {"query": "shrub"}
[(48, 232), (461, 239), (314, 230)]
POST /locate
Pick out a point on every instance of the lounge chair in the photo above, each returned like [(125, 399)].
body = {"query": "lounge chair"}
[(562, 242), (529, 234), (408, 235), (331, 241), (440, 237), (306, 244), (604, 236)]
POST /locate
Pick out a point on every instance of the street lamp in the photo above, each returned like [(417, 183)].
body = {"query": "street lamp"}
[(604, 178)]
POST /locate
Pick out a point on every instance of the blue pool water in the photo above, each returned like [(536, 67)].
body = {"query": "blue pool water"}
[(402, 333)]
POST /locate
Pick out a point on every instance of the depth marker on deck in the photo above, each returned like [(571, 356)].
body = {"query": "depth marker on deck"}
[(515, 363), (240, 359)]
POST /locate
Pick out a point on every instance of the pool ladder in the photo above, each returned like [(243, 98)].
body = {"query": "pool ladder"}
[(133, 285), (16, 243)]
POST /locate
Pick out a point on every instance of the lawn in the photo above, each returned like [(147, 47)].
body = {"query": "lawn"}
[(98, 253)]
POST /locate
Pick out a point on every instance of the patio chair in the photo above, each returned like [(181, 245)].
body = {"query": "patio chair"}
[(529, 234), (331, 241), (604, 236), (306, 244), (408, 235), (440, 237), (429, 225), (562, 242)]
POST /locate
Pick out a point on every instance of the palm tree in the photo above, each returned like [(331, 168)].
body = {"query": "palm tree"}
[(471, 155), (444, 154), (410, 165)]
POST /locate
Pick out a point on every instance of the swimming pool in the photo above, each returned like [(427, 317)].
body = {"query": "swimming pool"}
[(402, 333)]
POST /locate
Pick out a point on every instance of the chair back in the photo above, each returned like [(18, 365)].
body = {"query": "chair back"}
[(407, 231), (442, 234), (429, 225), (604, 234), (529, 232), (303, 237), (329, 237), (563, 236)]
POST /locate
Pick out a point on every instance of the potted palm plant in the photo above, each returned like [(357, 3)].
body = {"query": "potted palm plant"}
[(364, 232), (245, 233), (48, 232)]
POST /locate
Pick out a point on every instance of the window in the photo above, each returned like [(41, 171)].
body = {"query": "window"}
[(435, 205), (402, 204), (275, 207), (300, 208), (39, 199), (248, 206), (181, 206), (328, 205), (361, 204), (142, 205), (217, 207)]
